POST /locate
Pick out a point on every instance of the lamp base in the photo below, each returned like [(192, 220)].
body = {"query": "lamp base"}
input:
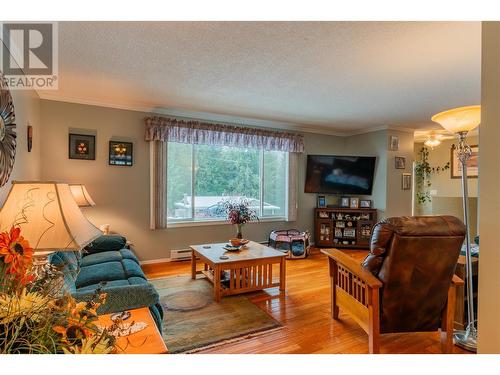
[(40, 265), (466, 339)]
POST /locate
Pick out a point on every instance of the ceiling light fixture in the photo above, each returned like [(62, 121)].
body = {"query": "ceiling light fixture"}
[(432, 141)]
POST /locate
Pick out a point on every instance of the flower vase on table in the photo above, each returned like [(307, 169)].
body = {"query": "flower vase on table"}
[(239, 233), (238, 213)]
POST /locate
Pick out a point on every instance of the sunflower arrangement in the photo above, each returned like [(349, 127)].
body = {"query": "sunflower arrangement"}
[(35, 317)]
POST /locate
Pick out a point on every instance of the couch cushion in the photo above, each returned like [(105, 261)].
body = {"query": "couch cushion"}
[(93, 274), (107, 242), (132, 269), (92, 287), (108, 256)]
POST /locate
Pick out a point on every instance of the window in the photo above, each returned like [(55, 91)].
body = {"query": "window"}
[(199, 177)]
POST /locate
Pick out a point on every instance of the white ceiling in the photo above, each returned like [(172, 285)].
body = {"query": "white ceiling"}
[(322, 76)]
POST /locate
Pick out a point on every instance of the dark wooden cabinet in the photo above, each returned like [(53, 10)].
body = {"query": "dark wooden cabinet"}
[(344, 227)]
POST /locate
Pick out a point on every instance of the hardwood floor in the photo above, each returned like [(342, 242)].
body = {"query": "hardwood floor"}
[(304, 311)]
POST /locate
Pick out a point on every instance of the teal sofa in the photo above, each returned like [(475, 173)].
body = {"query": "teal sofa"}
[(108, 262)]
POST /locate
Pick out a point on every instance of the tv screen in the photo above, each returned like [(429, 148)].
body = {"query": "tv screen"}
[(340, 174)]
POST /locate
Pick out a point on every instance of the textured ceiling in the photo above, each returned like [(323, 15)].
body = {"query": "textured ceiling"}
[(322, 76)]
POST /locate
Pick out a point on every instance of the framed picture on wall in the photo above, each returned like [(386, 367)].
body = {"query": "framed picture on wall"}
[(400, 162), (393, 143), (406, 181), (121, 153), (81, 146), (472, 163)]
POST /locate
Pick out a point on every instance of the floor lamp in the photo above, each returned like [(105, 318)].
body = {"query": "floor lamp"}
[(460, 121)]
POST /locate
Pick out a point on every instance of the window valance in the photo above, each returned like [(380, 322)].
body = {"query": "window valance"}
[(196, 132)]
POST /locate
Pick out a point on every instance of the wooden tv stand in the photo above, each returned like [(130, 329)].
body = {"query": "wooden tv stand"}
[(344, 227)]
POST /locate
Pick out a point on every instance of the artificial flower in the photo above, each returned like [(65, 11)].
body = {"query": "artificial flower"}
[(91, 345), (16, 251), (28, 305)]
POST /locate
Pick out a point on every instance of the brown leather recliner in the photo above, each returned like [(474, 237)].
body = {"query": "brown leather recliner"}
[(406, 283)]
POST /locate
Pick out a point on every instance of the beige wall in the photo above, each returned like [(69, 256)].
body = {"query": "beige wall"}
[(27, 164), (122, 193), (399, 201), (388, 197), (489, 223)]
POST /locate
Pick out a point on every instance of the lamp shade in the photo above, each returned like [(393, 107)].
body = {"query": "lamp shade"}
[(81, 195), (462, 119), (48, 217)]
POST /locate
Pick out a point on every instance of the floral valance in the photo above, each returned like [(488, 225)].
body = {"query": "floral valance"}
[(173, 130)]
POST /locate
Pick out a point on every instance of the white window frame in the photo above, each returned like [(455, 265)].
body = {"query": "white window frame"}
[(178, 223)]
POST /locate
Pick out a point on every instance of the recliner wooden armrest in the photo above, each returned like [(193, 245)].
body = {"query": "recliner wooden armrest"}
[(354, 267), (457, 280)]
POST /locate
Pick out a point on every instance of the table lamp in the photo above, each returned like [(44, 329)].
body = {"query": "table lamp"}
[(81, 195), (48, 217), (460, 121)]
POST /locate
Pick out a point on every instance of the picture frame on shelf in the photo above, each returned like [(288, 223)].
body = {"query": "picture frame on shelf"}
[(393, 143), (321, 201), (81, 146), (406, 181), (365, 203), (400, 162), (472, 163), (340, 224), (350, 232), (354, 203), (121, 153), (344, 202), (338, 232)]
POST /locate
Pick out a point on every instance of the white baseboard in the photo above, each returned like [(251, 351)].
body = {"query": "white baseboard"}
[(154, 261)]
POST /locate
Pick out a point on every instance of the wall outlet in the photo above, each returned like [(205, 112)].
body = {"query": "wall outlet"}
[(434, 193)]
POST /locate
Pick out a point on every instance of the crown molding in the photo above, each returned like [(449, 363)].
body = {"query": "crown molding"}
[(198, 115), (221, 118)]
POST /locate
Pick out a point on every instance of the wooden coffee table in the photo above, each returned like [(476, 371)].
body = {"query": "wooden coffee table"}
[(247, 270)]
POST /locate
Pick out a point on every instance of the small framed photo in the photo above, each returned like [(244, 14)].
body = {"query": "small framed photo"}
[(344, 202), (121, 153), (354, 203), (365, 203), (81, 146), (350, 232), (321, 201), (406, 181), (400, 162), (393, 143)]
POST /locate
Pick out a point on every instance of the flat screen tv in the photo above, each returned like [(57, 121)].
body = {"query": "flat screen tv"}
[(340, 174)]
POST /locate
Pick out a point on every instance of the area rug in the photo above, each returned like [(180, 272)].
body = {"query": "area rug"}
[(194, 321)]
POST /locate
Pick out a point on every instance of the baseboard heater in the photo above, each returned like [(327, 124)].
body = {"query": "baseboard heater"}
[(178, 255)]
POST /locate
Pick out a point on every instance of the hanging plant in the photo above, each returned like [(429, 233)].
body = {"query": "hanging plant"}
[(423, 173)]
